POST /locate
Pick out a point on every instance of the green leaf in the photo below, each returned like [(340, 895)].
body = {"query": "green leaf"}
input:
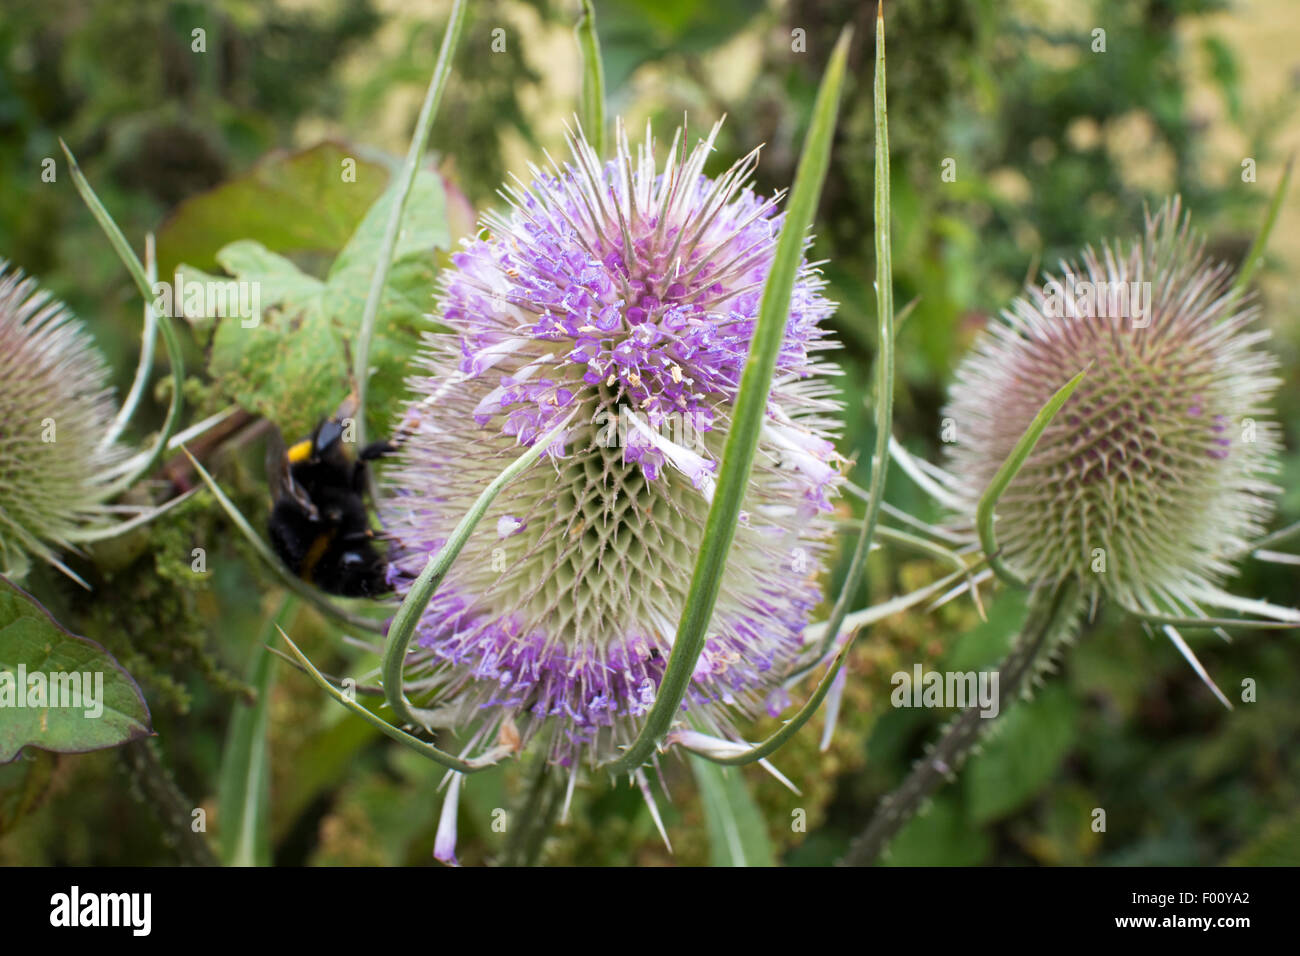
[(290, 368), (737, 834), (142, 464), (279, 280), (424, 228), (114, 713), (293, 366), (1022, 755), (593, 80), (986, 643), (244, 789), (1278, 844), (940, 836), (884, 403), (1255, 255), (289, 202), (24, 784)]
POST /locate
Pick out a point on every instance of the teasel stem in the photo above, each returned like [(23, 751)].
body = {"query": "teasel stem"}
[(392, 229), (155, 788), (532, 820), (1052, 609)]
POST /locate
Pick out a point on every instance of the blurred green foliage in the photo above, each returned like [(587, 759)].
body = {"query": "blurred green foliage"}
[(1053, 146)]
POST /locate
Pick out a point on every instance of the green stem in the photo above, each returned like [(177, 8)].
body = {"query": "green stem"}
[(534, 816), (593, 80), (884, 419), (1050, 609), (243, 791), (1256, 253), (423, 125), (164, 802)]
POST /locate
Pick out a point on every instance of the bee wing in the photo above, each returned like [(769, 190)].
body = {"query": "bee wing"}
[(348, 407), (279, 476)]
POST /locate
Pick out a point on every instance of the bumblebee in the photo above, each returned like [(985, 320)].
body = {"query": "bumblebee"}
[(319, 524)]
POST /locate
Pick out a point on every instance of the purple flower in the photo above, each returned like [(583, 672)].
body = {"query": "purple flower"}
[(630, 295)]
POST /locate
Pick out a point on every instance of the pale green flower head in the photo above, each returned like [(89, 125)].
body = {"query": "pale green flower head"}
[(56, 410), (1151, 480)]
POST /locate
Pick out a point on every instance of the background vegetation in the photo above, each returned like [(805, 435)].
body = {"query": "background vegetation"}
[(1054, 146)]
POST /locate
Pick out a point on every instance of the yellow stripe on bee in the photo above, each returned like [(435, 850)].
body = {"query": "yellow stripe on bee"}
[(300, 452), (314, 554)]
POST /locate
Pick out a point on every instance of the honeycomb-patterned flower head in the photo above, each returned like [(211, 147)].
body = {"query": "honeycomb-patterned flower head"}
[(55, 412), (1150, 480), (621, 298)]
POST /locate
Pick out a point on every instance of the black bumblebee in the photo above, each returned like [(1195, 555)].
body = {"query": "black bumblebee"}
[(319, 524)]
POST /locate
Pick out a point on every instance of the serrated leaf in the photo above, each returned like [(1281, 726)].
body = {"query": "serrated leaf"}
[(424, 228), (293, 367), (114, 713), (202, 326), (1022, 755), (289, 202), (737, 833), (290, 368), (279, 280)]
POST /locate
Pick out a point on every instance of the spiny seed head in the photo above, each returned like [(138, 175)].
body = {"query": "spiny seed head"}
[(627, 298), (55, 408), (1149, 479)]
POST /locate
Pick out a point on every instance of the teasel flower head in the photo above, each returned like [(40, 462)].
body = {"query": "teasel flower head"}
[(621, 298), (1151, 480), (56, 410)]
